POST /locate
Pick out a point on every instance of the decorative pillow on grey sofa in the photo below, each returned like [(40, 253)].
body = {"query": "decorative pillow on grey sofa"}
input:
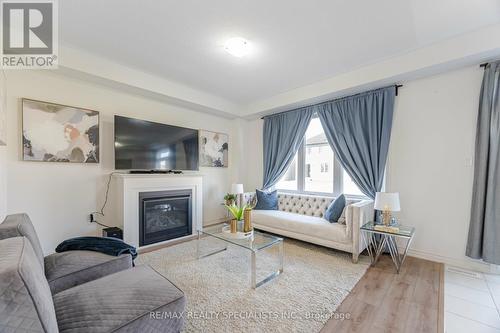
[(267, 200), (334, 211)]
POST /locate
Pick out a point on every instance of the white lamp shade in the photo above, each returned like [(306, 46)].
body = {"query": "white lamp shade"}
[(237, 189), (387, 201)]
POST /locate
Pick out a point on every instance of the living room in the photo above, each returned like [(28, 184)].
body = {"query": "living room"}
[(328, 166)]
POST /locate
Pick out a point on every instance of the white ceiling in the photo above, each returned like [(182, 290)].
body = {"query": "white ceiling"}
[(296, 42)]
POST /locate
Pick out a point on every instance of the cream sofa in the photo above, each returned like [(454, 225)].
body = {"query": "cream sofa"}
[(300, 216)]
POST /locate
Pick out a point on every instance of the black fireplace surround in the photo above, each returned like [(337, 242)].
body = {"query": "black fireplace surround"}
[(164, 215)]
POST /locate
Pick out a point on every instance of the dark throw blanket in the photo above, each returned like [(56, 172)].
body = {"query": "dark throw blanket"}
[(107, 245)]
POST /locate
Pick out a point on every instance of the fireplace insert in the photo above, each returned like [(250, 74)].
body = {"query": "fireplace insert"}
[(164, 215)]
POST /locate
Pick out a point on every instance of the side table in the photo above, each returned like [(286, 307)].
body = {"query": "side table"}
[(375, 245)]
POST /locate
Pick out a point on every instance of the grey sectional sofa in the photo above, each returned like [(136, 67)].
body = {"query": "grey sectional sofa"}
[(137, 299), (67, 269)]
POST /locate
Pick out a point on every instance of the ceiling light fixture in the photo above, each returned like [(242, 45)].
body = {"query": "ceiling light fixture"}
[(237, 46)]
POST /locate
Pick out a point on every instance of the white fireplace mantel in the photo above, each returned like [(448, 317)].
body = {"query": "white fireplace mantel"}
[(128, 187)]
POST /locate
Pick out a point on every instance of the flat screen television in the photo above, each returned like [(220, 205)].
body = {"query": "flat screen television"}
[(145, 145)]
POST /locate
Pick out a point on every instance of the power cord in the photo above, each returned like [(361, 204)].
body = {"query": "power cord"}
[(101, 212), (102, 225)]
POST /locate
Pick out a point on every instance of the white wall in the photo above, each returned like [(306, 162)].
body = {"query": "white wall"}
[(430, 161), (432, 146), (3, 182), (254, 154), (60, 196)]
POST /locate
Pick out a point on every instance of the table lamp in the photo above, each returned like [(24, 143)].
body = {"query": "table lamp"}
[(237, 189), (387, 203)]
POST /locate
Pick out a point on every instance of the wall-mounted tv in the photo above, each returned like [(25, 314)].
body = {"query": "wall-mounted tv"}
[(145, 145)]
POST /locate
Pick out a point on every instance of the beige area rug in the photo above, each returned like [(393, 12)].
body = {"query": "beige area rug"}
[(219, 298)]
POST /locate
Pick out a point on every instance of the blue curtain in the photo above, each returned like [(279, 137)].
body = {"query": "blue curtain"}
[(358, 128), (282, 136), (484, 227)]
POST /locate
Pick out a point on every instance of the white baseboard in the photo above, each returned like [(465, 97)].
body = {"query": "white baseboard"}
[(470, 264), (215, 221)]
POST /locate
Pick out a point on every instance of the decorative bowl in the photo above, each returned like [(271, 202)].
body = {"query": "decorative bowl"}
[(237, 235)]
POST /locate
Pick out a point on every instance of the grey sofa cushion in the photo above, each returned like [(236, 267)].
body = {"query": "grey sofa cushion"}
[(25, 300), (157, 320), (68, 269), (121, 302), (20, 225)]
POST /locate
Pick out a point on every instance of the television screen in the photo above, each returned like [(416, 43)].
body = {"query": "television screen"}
[(145, 145)]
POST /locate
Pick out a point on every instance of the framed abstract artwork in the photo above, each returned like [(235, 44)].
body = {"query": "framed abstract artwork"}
[(214, 150), (59, 133)]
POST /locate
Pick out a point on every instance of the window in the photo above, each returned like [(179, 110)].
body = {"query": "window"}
[(318, 154), (349, 187), (315, 169), (290, 180)]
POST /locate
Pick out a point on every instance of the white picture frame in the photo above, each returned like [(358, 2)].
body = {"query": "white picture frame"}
[(214, 149)]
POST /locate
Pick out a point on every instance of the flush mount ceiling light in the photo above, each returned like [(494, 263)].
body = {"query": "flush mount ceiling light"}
[(237, 46)]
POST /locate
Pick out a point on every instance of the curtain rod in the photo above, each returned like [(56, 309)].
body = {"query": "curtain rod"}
[(396, 85), (483, 64)]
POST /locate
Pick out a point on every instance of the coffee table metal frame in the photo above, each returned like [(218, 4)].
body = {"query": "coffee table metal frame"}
[(260, 241)]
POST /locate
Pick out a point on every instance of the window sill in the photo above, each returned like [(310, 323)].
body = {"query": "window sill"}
[(324, 194)]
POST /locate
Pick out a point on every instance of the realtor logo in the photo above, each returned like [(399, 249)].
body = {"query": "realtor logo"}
[(29, 34)]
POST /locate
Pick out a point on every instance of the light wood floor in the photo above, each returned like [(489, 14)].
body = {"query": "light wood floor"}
[(383, 301)]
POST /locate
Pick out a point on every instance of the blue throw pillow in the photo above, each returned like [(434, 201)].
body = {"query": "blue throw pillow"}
[(267, 200), (334, 211)]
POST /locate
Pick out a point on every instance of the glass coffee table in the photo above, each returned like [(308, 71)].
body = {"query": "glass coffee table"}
[(258, 242)]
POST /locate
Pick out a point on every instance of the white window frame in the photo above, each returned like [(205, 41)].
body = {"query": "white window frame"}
[(338, 175)]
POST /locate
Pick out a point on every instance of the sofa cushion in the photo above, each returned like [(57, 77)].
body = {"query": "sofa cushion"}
[(307, 225), (68, 269), (20, 225), (334, 211), (25, 300), (127, 301), (267, 200)]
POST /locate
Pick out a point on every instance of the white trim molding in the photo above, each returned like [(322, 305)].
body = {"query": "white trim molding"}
[(471, 264)]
